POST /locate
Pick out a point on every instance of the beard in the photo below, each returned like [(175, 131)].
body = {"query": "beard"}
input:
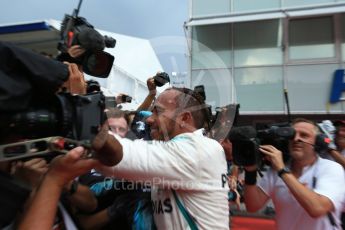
[(163, 131)]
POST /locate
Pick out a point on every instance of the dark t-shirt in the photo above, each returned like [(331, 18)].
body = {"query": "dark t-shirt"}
[(128, 204)]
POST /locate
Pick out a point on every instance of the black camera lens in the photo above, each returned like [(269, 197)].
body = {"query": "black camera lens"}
[(161, 79), (98, 64)]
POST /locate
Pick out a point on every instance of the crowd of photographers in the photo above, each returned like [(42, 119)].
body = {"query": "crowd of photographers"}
[(164, 166)]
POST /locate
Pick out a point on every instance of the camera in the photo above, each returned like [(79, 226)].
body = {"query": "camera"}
[(76, 117), (92, 86), (126, 99), (161, 79), (246, 140), (78, 31)]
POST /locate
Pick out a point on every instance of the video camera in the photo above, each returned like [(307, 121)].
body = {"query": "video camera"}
[(246, 140), (77, 30), (34, 119), (76, 118)]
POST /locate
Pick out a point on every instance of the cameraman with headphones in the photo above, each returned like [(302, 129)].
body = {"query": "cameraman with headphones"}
[(307, 193)]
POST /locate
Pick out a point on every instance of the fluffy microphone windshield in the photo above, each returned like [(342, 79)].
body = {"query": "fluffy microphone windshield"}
[(242, 133), (90, 39)]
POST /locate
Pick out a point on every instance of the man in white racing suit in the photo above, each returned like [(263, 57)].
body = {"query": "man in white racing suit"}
[(187, 170)]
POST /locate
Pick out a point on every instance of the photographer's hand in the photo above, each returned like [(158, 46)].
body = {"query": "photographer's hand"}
[(62, 169), (30, 171), (118, 99), (76, 83), (121, 98), (65, 168), (76, 51), (151, 86), (273, 155)]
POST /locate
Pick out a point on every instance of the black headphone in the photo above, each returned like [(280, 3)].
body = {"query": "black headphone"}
[(321, 142)]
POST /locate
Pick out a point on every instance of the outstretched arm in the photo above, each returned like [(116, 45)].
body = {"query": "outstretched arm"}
[(108, 149), (41, 211)]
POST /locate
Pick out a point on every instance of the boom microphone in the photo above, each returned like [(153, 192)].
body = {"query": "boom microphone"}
[(321, 143), (304, 142)]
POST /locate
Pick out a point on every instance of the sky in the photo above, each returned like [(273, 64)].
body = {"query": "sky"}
[(160, 21)]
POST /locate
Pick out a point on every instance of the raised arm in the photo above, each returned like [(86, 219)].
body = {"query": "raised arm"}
[(150, 97)]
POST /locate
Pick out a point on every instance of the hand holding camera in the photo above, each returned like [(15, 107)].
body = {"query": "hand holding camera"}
[(76, 83), (151, 86), (76, 51), (123, 98), (273, 155), (161, 78)]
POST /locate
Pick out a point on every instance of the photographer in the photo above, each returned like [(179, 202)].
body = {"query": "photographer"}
[(26, 76), (29, 79), (307, 193), (187, 170)]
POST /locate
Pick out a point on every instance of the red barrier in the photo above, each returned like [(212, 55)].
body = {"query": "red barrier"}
[(251, 223)]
